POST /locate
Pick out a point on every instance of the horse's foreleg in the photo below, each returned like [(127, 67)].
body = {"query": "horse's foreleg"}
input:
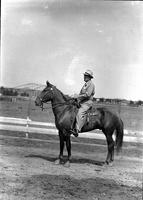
[(61, 138), (68, 146)]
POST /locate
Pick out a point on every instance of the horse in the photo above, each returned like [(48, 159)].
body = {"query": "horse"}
[(65, 109)]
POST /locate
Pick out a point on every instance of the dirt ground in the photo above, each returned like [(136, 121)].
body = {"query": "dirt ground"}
[(28, 172)]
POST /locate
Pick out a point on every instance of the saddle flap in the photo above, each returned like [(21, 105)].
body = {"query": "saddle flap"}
[(91, 112)]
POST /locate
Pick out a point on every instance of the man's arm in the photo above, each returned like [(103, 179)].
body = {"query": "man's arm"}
[(88, 93)]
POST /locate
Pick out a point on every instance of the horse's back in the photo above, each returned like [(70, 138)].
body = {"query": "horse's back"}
[(110, 118), (104, 116)]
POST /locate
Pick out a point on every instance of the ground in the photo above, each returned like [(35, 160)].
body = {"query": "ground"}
[(28, 172)]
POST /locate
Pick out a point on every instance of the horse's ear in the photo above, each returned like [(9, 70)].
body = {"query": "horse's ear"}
[(48, 83)]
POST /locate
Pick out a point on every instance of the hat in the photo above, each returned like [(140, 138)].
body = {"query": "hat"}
[(88, 73)]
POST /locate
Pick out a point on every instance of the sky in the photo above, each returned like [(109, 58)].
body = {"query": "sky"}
[(58, 40)]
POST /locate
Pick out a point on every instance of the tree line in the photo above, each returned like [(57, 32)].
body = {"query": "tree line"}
[(19, 92), (13, 92), (118, 101)]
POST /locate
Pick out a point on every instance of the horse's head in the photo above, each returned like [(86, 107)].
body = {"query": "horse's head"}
[(45, 96)]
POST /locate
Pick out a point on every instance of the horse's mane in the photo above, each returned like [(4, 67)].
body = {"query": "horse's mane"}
[(65, 96)]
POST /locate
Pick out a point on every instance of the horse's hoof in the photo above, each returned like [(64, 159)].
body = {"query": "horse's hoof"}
[(57, 162), (67, 164), (110, 164), (107, 163)]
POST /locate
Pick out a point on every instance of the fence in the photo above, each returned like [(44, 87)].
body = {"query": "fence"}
[(29, 126)]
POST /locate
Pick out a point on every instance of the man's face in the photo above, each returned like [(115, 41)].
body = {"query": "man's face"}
[(86, 78)]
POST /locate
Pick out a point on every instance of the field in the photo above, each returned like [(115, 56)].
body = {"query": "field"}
[(28, 172)]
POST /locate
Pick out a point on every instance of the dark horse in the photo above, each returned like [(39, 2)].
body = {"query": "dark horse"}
[(65, 110)]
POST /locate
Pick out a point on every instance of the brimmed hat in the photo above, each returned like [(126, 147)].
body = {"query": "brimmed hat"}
[(88, 73)]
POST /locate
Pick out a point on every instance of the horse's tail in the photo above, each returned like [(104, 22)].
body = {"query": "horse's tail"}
[(119, 135)]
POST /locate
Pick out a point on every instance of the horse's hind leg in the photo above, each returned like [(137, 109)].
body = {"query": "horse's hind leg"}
[(61, 138), (110, 143)]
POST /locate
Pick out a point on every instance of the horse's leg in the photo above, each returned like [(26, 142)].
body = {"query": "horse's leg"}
[(68, 146), (61, 146), (110, 143), (61, 138)]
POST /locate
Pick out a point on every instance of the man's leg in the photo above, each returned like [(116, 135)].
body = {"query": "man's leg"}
[(81, 116)]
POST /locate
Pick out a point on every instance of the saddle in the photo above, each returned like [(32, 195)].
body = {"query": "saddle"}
[(91, 112)]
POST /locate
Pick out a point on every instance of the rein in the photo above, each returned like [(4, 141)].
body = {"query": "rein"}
[(42, 108), (67, 102), (55, 105)]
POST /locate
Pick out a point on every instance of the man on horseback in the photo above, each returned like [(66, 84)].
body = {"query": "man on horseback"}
[(85, 98), (65, 111)]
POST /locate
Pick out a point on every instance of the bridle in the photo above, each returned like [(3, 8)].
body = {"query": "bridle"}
[(53, 105)]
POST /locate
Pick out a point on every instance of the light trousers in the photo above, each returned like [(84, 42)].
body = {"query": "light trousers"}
[(81, 115)]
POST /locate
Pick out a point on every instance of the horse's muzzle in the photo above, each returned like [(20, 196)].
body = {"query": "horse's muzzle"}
[(38, 103)]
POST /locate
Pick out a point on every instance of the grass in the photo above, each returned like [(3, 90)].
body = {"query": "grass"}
[(131, 116)]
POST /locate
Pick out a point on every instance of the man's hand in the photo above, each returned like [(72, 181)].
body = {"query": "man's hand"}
[(76, 96)]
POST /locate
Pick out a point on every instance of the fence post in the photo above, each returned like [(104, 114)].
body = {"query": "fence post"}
[(27, 127), (28, 119)]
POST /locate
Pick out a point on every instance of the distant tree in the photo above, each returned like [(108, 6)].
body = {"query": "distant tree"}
[(8, 91), (117, 101), (15, 93), (109, 100), (101, 100), (131, 102), (2, 89), (139, 102), (24, 94), (11, 92)]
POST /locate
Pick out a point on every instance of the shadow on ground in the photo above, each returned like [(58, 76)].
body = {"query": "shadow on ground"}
[(73, 160)]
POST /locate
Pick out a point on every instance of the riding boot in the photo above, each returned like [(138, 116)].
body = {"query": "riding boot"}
[(75, 132)]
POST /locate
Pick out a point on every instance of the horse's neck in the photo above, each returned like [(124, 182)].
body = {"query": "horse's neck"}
[(58, 103), (58, 98)]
